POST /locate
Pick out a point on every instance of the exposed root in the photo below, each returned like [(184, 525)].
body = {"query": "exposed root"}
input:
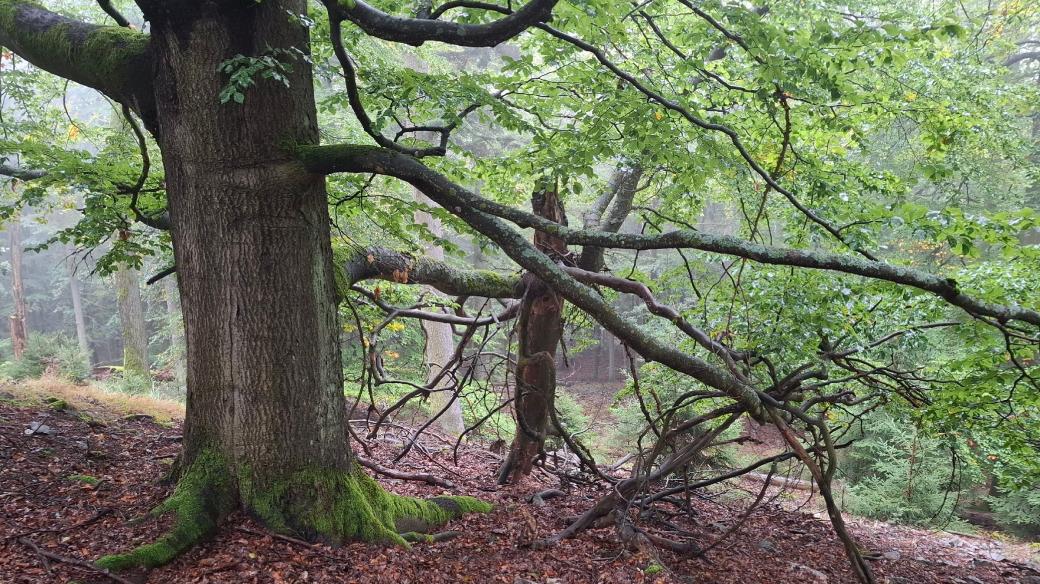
[(337, 506), (318, 504), (204, 494)]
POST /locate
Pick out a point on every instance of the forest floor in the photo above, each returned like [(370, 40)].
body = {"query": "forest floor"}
[(71, 489)]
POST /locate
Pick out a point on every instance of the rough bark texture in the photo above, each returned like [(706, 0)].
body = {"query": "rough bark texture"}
[(251, 240), (77, 311), (440, 344), (539, 330), (131, 321), (18, 327), (176, 324)]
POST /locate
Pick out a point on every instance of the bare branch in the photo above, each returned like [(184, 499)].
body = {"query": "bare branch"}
[(416, 31)]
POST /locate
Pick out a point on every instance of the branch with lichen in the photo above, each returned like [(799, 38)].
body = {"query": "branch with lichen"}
[(116, 61)]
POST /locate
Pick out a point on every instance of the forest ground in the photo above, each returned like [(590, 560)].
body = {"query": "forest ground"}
[(74, 490)]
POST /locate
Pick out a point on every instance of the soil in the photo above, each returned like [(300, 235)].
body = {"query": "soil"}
[(76, 488)]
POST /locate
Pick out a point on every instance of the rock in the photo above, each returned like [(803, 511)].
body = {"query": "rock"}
[(817, 577), (39, 428), (1030, 579), (767, 545), (892, 555)]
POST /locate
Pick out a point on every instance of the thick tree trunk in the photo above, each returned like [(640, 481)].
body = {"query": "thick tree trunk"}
[(539, 330), (77, 311), (18, 327), (265, 418), (251, 242), (131, 321), (440, 344)]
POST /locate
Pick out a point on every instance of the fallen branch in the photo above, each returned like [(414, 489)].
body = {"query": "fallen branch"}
[(100, 513), (405, 476), (416, 537), (71, 561)]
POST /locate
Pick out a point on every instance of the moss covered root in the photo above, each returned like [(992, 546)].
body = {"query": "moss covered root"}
[(204, 494), (337, 506)]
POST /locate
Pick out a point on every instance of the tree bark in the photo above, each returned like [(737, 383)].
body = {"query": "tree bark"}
[(176, 324), (77, 310), (440, 343), (252, 248), (18, 326), (539, 330), (265, 426)]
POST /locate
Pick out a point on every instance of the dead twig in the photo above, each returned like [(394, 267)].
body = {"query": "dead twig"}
[(70, 561)]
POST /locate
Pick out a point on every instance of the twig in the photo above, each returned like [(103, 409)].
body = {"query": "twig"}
[(98, 515), (405, 476), (71, 561)]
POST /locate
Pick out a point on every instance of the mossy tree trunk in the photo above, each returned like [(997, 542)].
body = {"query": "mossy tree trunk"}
[(539, 329), (176, 325), (265, 424)]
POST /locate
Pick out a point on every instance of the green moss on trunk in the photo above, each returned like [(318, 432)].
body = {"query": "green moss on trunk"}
[(337, 506), (204, 494)]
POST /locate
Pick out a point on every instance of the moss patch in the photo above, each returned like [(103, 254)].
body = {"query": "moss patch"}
[(204, 494), (85, 479), (337, 506)]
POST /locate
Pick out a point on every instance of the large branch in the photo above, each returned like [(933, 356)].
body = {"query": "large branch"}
[(329, 159), (416, 31), (114, 60), (24, 174), (384, 264), (457, 200)]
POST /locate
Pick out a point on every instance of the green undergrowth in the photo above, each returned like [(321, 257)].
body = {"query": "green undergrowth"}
[(337, 506), (204, 494), (331, 506)]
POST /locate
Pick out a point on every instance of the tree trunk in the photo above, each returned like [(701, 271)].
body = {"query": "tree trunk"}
[(18, 327), (539, 329), (131, 321), (440, 344), (176, 324), (265, 418), (77, 311)]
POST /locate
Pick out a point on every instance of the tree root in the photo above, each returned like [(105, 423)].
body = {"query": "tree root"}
[(327, 505), (204, 495), (337, 506)]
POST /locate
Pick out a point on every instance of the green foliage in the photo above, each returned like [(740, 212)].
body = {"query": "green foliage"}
[(242, 71), (570, 415), (479, 402), (1018, 511), (128, 383), (897, 473), (56, 353), (85, 479)]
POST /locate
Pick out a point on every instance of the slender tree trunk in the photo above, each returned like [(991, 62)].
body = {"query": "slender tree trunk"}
[(18, 326), (131, 320), (176, 324), (440, 343), (539, 329), (77, 311)]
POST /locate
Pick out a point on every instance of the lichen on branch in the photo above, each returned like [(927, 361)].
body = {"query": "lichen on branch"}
[(114, 60)]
